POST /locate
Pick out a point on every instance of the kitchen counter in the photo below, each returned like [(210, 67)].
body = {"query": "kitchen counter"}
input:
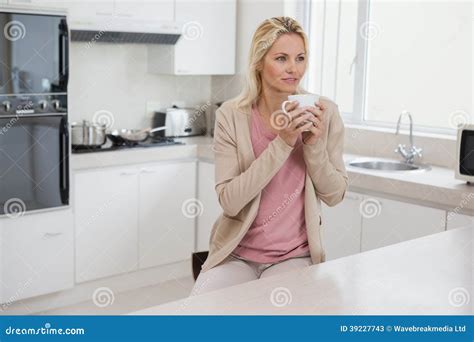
[(436, 188), (426, 276)]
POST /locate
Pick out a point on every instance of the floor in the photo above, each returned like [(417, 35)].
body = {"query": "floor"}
[(130, 301)]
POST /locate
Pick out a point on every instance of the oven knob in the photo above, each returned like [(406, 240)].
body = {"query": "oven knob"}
[(56, 104), (43, 104), (7, 106)]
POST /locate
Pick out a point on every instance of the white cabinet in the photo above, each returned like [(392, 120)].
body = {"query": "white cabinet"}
[(106, 219), (212, 210), (341, 227), (145, 10), (454, 220), (88, 12), (134, 217), (207, 43), (167, 212), (36, 254), (83, 9), (101, 13), (386, 222)]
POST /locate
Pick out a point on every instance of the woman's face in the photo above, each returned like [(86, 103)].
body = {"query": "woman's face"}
[(284, 64)]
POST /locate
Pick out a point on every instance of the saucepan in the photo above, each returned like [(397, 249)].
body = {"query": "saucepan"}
[(126, 135)]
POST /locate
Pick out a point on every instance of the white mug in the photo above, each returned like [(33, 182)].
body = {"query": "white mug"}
[(304, 100)]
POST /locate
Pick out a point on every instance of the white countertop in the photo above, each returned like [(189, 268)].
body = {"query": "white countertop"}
[(426, 276), (436, 187)]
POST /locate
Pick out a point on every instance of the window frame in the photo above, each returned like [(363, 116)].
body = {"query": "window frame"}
[(314, 78)]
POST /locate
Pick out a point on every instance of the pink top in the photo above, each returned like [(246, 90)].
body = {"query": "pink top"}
[(279, 229)]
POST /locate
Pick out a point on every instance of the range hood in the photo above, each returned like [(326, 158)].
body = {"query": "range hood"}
[(118, 30)]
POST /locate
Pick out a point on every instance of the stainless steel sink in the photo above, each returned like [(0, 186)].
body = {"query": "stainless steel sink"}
[(387, 165)]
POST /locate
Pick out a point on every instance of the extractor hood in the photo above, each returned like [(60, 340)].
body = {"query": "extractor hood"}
[(118, 30)]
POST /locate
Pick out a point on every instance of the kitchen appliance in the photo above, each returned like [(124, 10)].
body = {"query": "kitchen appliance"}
[(126, 135), (88, 134), (181, 122), (34, 138), (119, 29), (465, 154)]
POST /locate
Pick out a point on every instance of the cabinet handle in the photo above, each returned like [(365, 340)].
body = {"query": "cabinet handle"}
[(147, 171), (51, 235), (127, 173)]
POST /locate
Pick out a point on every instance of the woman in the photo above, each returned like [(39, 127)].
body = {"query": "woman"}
[(271, 174)]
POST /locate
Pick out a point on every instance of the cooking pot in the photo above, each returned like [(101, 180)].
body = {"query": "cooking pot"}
[(90, 134)]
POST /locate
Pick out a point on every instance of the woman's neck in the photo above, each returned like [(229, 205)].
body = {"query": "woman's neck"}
[(270, 101)]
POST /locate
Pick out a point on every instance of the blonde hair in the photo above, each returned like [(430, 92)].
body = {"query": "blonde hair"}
[(264, 37)]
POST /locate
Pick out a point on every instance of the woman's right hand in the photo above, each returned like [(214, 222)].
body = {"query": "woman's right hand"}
[(293, 126)]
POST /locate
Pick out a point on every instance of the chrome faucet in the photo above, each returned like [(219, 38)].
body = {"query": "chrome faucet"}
[(413, 151)]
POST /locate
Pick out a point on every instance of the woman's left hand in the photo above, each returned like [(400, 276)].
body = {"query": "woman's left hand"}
[(319, 125)]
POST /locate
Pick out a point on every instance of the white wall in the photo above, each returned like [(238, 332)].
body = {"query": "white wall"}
[(114, 78)]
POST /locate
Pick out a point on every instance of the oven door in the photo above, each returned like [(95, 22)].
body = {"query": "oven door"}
[(34, 163), (33, 53)]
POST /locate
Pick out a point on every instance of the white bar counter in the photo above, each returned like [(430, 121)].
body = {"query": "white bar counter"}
[(426, 276)]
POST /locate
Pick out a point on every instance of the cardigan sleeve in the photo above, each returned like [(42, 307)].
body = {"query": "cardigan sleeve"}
[(325, 162), (235, 188)]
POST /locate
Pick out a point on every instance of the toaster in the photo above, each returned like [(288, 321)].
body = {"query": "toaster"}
[(180, 122)]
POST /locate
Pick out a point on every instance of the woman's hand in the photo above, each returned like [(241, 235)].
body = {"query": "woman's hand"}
[(288, 123), (316, 130)]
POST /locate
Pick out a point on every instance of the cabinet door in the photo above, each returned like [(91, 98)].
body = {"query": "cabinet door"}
[(150, 10), (207, 44), (454, 220), (83, 9), (386, 222), (341, 227), (106, 203), (208, 197), (36, 254), (167, 212)]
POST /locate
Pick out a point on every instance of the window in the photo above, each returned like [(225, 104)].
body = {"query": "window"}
[(377, 58)]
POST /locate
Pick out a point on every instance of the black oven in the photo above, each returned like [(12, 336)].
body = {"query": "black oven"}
[(34, 136)]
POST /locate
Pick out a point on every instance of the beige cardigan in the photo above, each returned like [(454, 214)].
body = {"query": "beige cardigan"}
[(240, 177)]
